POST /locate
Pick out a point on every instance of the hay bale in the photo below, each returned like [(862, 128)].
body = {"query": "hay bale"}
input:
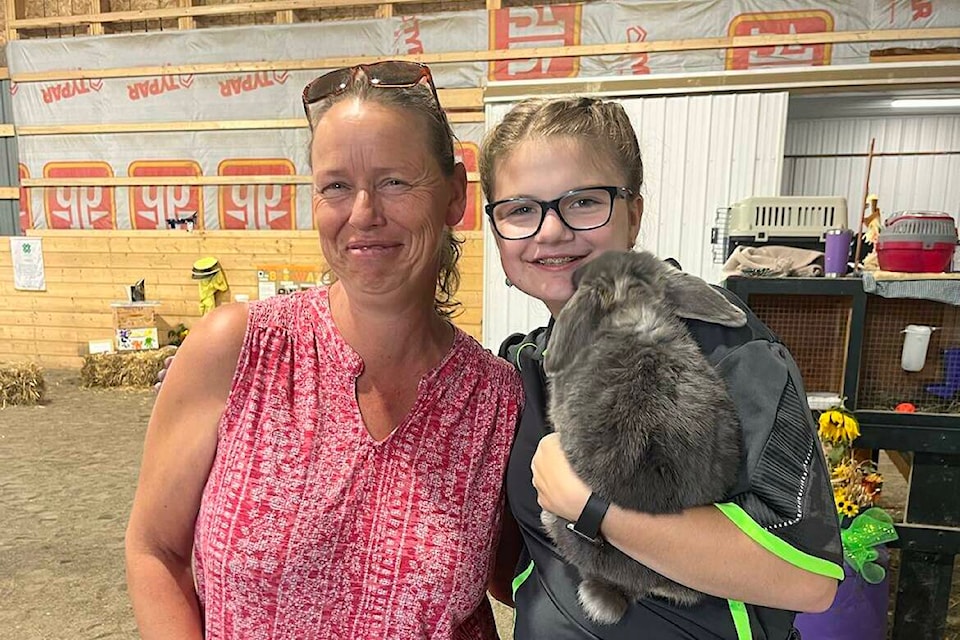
[(21, 384), (123, 369)]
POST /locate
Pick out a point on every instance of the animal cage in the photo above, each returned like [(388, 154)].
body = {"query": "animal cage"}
[(795, 221), (828, 335), (787, 217), (883, 384)]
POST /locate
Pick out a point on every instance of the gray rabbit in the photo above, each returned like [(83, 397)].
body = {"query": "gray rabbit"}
[(643, 418)]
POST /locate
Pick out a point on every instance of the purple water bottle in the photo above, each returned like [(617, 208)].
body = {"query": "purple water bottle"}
[(837, 253)]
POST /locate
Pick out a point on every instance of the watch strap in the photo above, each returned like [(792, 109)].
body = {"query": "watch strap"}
[(587, 525)]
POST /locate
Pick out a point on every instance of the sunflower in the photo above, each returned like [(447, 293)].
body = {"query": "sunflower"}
[(845, 506), (842, 470), (838, 426), (839, 495), (840, 498)]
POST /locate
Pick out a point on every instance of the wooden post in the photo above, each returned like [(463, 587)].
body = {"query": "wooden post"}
[(13, 9), (187, 22), (923, 586), (384, 11), (863, 205), (96, 8)]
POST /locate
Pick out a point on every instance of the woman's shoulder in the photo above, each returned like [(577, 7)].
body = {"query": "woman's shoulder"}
[(484, 362), (208, 357), (289, 311)]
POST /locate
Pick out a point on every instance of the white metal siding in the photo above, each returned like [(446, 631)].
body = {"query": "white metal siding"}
[(699, 153), (901, 182)]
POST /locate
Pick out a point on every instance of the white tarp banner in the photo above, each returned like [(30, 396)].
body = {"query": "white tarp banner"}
[(276, 94)]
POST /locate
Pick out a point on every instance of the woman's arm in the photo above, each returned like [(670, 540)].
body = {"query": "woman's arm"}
[(700, 547), (178, 452)]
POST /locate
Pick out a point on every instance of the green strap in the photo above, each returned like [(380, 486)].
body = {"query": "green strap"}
[(520, 579), (777, 546), (741, 619)]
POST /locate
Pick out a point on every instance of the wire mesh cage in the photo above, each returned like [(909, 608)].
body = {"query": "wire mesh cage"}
[(884, 383), (815, 329)]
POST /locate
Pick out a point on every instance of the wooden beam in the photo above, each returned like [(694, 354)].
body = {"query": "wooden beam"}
[(816, 79), (901, 462), (384, 11), (7, 130), (695, 44), (9, 193), (140, 181), (270, 6), (203, 181), (914, 57), (159, 127)]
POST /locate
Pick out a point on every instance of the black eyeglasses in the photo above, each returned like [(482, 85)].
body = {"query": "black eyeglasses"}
[(389, 74), (580, 210)]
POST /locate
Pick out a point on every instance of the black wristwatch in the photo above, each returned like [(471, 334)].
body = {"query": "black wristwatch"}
[(587, 525)]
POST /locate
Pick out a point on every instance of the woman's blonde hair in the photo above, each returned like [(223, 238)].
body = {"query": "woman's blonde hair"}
[(603, 124), (419, 102)]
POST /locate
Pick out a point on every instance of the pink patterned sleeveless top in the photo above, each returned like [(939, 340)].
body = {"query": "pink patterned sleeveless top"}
[(308, 528)]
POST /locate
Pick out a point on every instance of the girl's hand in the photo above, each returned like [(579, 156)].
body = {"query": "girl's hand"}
[(559, 489)]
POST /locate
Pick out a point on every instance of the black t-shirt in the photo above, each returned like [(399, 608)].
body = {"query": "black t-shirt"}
[(782, 495)]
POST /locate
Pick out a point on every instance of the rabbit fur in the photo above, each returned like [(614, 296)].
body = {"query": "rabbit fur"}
[(643, 418)]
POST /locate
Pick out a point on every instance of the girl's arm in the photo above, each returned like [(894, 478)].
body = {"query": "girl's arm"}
[(700, 547)]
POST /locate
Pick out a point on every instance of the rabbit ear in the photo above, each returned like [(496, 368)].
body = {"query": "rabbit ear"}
[(694, 299), (571, 331)]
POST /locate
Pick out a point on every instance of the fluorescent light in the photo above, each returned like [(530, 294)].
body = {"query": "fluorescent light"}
[(909, 103)]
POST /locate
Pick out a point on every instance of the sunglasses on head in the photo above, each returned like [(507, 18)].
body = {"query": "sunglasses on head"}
[(389, 74)]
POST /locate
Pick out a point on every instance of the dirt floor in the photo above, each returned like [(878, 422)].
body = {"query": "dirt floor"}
[(67, 475)]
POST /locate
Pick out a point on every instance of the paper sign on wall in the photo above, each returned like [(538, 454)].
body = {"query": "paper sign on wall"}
[(27, 264), (275, 280)]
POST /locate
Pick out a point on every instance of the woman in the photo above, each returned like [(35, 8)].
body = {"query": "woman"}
[(775, 542), (331, 462)]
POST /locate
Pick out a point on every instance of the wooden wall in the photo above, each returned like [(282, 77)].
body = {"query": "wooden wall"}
[(87, 270)]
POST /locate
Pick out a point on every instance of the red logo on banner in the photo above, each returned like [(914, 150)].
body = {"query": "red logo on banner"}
[(69, 89), (780, 23), (526, 27), (636, 63), (151, 206), (639, 60), (248, 82), (467, 154), (261, 206), (921, 9), (406, 39), (158, 86), (26, 219), (79, 207)]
